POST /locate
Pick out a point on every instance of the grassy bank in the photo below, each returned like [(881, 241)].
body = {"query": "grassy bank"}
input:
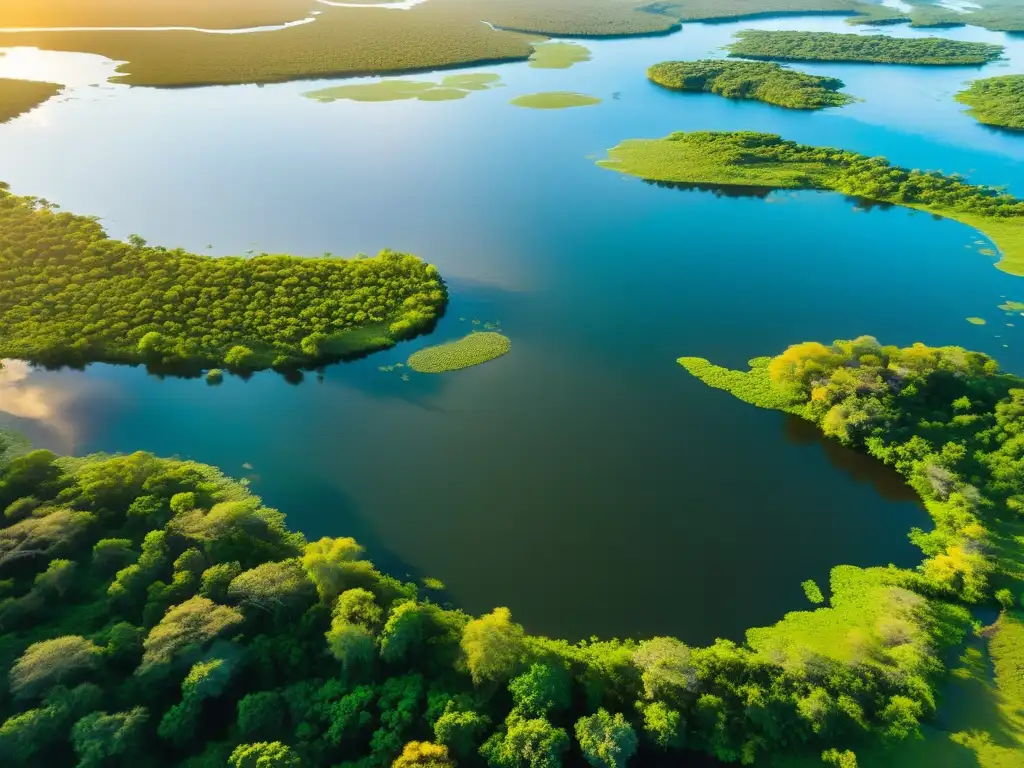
[(764, 160), (474, 349), (759, 81), (831, 46), (71, 295), (20, 96), (997, 101)]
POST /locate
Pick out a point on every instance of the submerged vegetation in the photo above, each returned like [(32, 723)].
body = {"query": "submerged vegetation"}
[(476, 348), (20, 96), (997, 101), (950, 422), (761, 81), (450, 88), (555, 100), (745, 158), (71, 295), (831, 46)]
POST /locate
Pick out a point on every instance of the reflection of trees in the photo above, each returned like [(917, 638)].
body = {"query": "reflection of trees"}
[(718, 190), (859, 466), (866, 205)]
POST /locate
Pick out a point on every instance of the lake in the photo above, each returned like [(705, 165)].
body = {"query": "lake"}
[(584, 480)]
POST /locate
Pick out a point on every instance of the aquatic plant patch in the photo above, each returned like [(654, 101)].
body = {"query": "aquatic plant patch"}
[(558, 55), (474, 349), (453, 87), (555, 100)]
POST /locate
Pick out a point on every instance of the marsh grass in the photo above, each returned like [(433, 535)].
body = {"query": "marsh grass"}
[(474, 349), (555, 100), (558, 55), (449, 89), (20, 96)]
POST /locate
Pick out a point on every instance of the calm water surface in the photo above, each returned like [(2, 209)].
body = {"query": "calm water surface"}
[(584, 480)]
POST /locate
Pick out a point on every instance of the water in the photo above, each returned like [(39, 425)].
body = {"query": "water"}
[(584, 480)]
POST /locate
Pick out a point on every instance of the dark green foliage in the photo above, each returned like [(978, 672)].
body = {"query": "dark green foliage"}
[(70, 294), (831, 46), (996, 101), (543, 689), (761, 81)]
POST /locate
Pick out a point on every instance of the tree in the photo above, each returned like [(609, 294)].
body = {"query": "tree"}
[(328, 562), (667, 667), (525, 743), (216, 579), (50, 662), (272, 587), (423, 754), (541, 690), (846, 759), (461, 731), (58, 577), (185, 627), (351, 644), (263, 754), (358, 606), (260, 713), (112, 554), (404, 631), (493, 646), (100, 737), (238, 357), (606, 741), (664, 725)]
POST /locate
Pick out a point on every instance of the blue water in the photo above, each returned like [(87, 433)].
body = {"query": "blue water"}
[(584, 480)]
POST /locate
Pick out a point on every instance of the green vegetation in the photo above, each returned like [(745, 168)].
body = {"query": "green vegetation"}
[(764, 160), (1001, 15), (155, 613), (950, 422), (555, 100), (71, 295), (223, 14), (761, 81), (453, 87), (996, 101), (20, 96), (976, 320), (813, 592), (558, 55), (831, 46), (476, 348)]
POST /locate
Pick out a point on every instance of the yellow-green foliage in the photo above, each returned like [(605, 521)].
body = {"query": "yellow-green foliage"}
[(976, 320), (722, 10), (831, 46), (746, 158), (204, 14), (760, 81), (20, 96), (1002, 15), (555, 100), (474, 349), (558, 55), (453, 87), (753, 386), (69, 293), (996, 101)]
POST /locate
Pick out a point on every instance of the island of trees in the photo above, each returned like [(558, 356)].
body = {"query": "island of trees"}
[(750, 159), (71, 295), (950, 422), (20, 96), (831, 46), (997, 101), (760, 81)]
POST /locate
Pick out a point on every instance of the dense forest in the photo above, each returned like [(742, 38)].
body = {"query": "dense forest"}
[(996, 101), (952, 424), (747, 158), (761, 81), (831, 46), (70, 295), (20, 96)]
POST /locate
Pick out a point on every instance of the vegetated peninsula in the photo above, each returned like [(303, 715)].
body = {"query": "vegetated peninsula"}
[(832, 46), (756, 80), (155, 613), (949, 421), (997, 101), (476, 348), (71, 295), (20, 96), (745, 158)]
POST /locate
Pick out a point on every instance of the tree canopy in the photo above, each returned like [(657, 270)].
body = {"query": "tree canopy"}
[(997, 101), (832, 46)]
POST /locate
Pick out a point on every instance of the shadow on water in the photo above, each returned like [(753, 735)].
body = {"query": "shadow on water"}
[(718, 190), (859, 466)]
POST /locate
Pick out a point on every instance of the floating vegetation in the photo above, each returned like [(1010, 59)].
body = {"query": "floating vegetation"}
[(976, 320), (558, 55), (431, 583), (555, 100), (813, 591), (404, 377), (385, 368), (986, 252), (1012, 306), (450, 88), (474, 349), (214, 376)]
